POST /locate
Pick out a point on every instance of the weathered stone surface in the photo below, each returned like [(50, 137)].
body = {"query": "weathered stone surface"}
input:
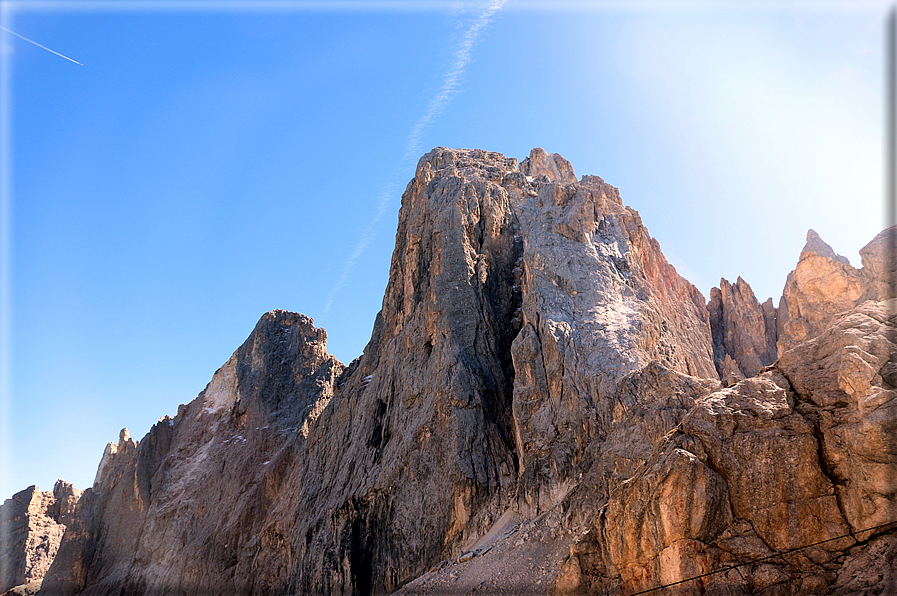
[(425, 416), (598, 301), (32, 523), (824, 285), (554, 167), (879, 259), (646, 405), (720, 487), (760, 467), (869, 569), (853, 407), (744, 331), (538, 410), (179, 510), (766, 466)]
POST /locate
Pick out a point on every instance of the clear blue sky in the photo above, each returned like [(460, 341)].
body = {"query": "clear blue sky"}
[(211, 161)]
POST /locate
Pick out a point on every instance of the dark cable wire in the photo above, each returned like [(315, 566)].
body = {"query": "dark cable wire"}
[(772, 556)]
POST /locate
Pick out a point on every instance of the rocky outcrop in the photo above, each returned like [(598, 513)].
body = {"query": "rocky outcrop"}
[(180, 510), (845, 379), (554, 167), (518, 299), (824, 285), (780, 462), (538, 410), (798, 459), (513, 309), (880, 264), (748, 336), (32, 523), (598, 301), (744, 331)]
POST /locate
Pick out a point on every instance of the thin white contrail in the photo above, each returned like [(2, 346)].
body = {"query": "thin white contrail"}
[(452, 79), (413, 145), (366, 238), (40, 46)]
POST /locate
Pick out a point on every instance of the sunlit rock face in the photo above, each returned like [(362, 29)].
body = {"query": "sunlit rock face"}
[(598, 301), (32, 523), (799, 456), (539, 410), (824, 285)]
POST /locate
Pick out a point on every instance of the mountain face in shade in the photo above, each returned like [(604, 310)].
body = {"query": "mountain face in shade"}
[(539, 410)]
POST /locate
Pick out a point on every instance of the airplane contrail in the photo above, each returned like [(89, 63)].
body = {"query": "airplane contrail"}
[(437, 105), (453, 78), (40, 46)]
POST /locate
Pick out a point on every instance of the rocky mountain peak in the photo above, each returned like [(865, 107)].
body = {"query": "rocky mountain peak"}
[(538, 407), (554, 167), (824, 285), (744, 331), (880, 263), (32, 524), (816, 247)]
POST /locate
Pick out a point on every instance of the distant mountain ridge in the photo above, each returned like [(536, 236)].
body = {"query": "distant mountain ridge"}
[(545, 407)]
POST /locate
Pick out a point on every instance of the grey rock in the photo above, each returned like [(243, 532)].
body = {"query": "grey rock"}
[(744, 331), (176, 511), (539, 410)]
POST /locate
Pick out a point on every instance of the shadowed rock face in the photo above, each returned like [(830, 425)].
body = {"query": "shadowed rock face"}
[(744, 331), (538, 370), (177, 511)]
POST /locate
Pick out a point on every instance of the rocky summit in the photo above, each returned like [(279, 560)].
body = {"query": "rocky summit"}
[(544, 407)]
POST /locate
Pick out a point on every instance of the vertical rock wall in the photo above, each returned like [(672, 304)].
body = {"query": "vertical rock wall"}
[(599, 300), (183, 510), (744, 331), (799, 458)]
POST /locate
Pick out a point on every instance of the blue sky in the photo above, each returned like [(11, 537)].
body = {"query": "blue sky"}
[(211, 161)]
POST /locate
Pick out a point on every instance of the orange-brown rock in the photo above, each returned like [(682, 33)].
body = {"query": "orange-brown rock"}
[(32, 523), (824, 285)]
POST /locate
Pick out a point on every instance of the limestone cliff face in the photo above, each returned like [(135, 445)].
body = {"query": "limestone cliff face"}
[(785, 460), (598, 301), (498, 336), (424, 418), (798, 458), (538, 410), (184, 509), (744, 331), (824, 285), (32, 523)]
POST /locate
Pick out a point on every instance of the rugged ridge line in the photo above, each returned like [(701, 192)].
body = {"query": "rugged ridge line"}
[(538, 410)]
